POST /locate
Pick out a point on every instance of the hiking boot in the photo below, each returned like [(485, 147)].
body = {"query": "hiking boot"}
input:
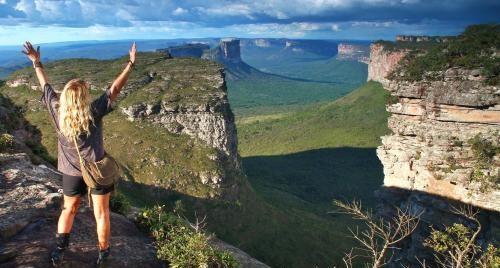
[(103, 258), (57, 254)]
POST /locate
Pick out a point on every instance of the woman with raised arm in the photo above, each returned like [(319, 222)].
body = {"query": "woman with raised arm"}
[(75, 115)]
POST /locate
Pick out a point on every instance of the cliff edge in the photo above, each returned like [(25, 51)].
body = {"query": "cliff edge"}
[(444, 149), (446, 128), (172, 126)]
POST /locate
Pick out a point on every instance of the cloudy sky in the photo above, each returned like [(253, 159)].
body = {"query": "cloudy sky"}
[(71, 20)]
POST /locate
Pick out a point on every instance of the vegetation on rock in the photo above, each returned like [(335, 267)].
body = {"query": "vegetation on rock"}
[(484, 154), (476, 48), (6, 142), (181, 245), (458, 245)]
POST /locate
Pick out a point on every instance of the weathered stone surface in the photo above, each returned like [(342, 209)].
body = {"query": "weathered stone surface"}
[(433, 124), (28, 192), (244, 260), (228, 51), (29, 208), (382, 62), (211, 121), (436, 157), (460, 90), (349, 51), (442, 112)]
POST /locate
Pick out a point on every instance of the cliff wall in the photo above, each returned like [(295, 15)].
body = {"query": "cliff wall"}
[(187, 50), (382, 62), (353, 52), (439, 128), (210, 119), (444, 149), (227, 52)]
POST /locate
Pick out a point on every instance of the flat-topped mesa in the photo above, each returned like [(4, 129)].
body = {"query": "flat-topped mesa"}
[(228, 51), (353, 52), (446, 131), (194, 50), (421, 38)]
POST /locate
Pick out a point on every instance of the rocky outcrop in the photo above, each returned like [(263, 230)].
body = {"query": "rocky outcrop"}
[(187, 50), (244, 260), (382, 62), (22, 81), (438, 127), (421, 38), (353, 52), (444, 149), (228, 51), (30, 202), (210, 120)]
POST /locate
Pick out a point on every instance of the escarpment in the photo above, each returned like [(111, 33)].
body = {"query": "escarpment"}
[(382, 62), (440, 129), (172, 126), (444, 149), (228, 51)]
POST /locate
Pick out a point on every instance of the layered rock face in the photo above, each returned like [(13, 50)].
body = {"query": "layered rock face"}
[(228, 51), (443, 151), (382, 62), (353, 52), (437, 128), (188, 50), (211, 121), (420, 38)]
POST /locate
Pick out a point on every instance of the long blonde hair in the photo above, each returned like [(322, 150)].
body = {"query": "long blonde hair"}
[(74, 109)]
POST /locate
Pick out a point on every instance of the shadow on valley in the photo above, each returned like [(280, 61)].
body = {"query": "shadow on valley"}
[(314, 178), (280, 234)]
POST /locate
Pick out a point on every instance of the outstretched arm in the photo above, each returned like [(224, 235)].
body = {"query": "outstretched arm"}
[(34, 56), (120, 81)]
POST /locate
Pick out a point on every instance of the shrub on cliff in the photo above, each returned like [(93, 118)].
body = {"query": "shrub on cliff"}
[(484, 152), (475, 48), (458, 245), (119, 203), (6, 142), (181, 245)]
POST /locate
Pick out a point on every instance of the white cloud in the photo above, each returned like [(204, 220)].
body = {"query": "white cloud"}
[(179, 11), (335, 27), (377, 24), (229, 10)]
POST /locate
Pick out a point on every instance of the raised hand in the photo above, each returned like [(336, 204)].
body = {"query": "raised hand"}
[(132, 52), (29, 50)]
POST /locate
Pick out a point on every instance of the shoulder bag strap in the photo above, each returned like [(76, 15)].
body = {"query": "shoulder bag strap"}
[(89, 197), (78, 150)]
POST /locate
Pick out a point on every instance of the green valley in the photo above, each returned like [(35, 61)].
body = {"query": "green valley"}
[(294, 84), (308, 157)]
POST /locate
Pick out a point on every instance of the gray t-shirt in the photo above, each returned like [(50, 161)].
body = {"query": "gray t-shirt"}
[(91, 146)]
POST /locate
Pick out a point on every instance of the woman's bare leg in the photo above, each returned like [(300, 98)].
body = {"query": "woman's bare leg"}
[(70, 208), (101, 213)]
